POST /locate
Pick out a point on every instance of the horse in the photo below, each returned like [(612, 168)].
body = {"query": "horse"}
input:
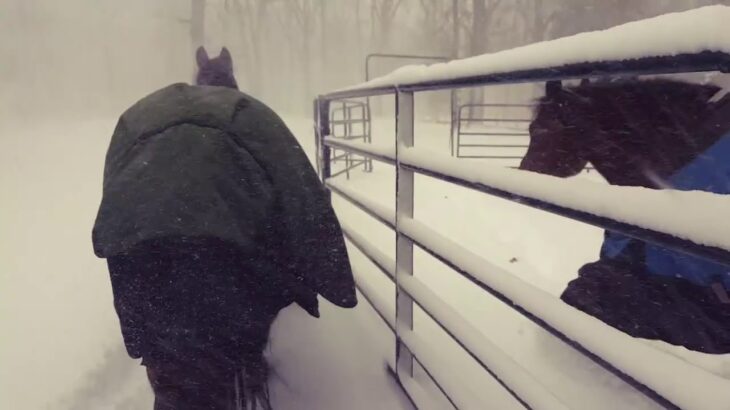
[(203, 225), (656, 134), (217, 71), (635, 133)]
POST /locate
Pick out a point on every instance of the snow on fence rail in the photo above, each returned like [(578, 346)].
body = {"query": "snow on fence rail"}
[(672, 42), (675, 43)]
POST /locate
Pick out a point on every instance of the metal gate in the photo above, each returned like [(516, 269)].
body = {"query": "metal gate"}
[(350, 121), (623, 357), (512, 138)]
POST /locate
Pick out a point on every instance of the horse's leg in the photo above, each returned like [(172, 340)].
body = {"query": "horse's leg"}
[(191, 386)]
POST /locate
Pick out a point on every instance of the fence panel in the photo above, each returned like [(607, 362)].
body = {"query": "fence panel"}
[(608, 347)]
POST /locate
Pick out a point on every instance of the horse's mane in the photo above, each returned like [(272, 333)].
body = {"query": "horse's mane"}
[(650, 103)]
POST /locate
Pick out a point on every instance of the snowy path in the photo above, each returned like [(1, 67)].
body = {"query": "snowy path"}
[(61, 346)]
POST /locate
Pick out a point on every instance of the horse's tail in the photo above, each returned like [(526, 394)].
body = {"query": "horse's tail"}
[(252, 376), (251, 383)]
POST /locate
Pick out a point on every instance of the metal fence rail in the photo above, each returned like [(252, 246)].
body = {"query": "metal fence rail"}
[(350, 120), (465, 120), (564, 322), (465, 334)]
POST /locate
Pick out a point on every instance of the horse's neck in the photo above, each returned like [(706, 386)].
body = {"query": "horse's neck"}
[(626, 175), (717, 122), (649, 160), (621, 155)]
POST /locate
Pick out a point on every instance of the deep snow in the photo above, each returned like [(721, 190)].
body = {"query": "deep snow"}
[(61, 343)]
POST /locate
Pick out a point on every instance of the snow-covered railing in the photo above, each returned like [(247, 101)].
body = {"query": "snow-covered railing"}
[(677, 43), (690, 41)]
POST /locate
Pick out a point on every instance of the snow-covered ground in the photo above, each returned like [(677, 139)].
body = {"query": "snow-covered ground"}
[(61, 345), (539, 248), (62, 348)]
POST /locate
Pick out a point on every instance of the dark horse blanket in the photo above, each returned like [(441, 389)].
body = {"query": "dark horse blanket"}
[(189, 162)]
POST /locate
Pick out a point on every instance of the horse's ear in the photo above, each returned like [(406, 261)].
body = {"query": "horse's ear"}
[(201, 56), (553, 87), (225, 56)]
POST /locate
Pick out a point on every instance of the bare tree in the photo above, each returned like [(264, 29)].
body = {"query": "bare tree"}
[(382, 15), (251, 20), (598, 15), (298, 22), (197, 23), (437, 29), (455, 28), (540, 19), (358, 25), (483, 13), (482, 27)]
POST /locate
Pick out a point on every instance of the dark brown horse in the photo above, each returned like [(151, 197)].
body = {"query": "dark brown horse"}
[(635, 133), (656, 134)]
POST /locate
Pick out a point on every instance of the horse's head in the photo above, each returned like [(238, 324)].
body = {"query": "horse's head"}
[(554, 136), (217, 71), (634, 132)]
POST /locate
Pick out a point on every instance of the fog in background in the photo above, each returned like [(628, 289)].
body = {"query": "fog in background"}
[(86, 58)]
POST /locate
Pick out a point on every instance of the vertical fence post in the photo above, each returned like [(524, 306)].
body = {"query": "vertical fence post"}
[(453, 118), (347, 118), (322, 126), (404, 246), (367, 126), (317, 139)]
